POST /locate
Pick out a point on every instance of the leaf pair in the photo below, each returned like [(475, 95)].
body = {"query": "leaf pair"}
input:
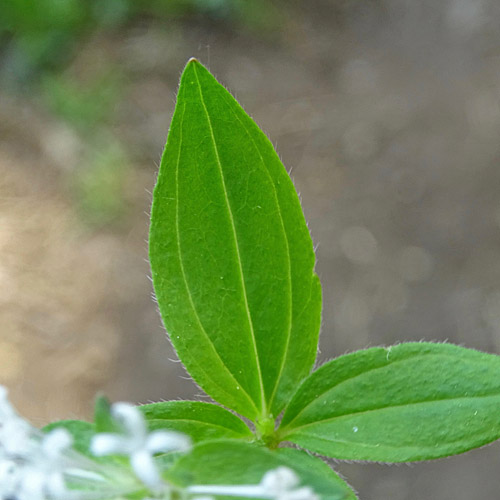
[(233, 271)]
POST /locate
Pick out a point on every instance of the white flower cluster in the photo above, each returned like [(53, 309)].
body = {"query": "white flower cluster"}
[(36, 466), (140, 446), (31, 465)]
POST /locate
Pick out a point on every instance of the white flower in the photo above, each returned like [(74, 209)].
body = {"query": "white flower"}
[(277, 484), (279, 480), (6, 409), (16, 438), (43, 474), (31, 465), (34, 466), (281, 484), (40, 475), (9, 479), (138, 444), (15, 433)]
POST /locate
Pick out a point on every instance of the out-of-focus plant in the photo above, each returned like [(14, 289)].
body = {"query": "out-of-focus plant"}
[(39, 36), (39, 41), (102, 185), (83, 105), (118, 458)]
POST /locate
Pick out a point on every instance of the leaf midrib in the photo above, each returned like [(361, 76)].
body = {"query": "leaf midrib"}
[(188, 290), (347, 379), (233, 227), (371, 410), (289, 267), (385, 445)]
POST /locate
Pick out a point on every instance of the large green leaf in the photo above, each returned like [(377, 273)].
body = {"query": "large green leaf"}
[(200, 421), (409, 402), (232, 260), (238, 463)]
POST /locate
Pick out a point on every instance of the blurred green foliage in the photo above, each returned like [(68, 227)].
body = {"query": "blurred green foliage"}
[(41, 35), (102, 184), (82, 104), (39, 44)]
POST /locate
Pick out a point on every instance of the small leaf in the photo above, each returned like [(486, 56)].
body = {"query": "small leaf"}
[(232, 260), (305, 463), (413, 401), (81, 432), (103, 420), (200, 421), (236, 462)]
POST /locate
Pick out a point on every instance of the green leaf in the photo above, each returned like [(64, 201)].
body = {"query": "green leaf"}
[(305, 463), (232, 260), (236, 462), (81, 432), (201, 421), (413, 401), (103, 420)]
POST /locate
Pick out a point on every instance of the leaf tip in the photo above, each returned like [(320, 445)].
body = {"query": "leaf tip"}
[(191, 65)]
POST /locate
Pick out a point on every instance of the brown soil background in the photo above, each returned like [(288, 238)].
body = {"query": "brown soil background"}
[(387, 115)]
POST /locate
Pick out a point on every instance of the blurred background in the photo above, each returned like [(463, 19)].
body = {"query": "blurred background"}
[(386, 113)]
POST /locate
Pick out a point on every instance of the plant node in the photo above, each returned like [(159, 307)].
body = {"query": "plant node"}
[(265, 431)]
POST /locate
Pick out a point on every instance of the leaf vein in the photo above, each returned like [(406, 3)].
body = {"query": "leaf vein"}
[(233, 227), (371, 410), (289, 275), (340, 382), (184, 278)]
